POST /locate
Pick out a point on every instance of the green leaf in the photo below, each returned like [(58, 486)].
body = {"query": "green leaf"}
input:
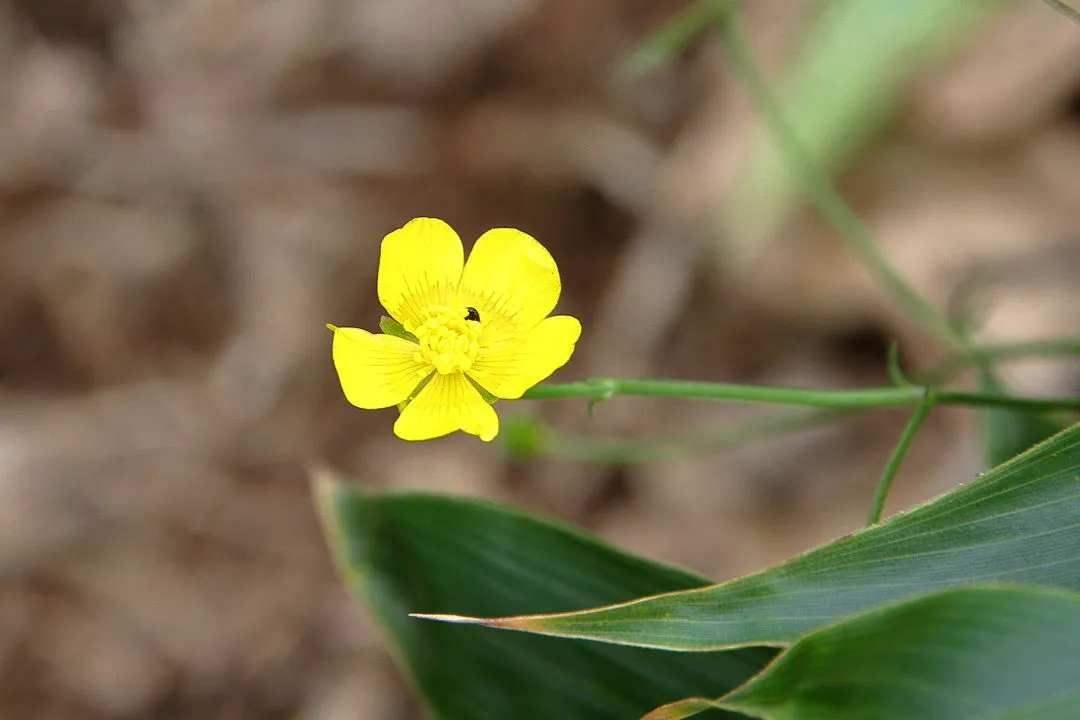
[(1018, 523), (488, 397), (978, 653), (403, 553), (390, 326), (1007, 433)]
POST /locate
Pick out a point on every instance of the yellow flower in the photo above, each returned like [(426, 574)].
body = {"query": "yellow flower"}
[(481, 324)]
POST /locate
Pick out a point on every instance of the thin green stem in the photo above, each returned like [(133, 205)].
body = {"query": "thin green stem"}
[(1004, 400), (1065, 9), (605, 388), (625, 451), (908, 396), (1029, 348), (980, 354), (821, 191), (897, 456), (673, 36)]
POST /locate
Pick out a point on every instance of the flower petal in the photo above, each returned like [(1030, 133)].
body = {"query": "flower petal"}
[(447, 403), (376, 371), (507, 369), (512, 280), (419, 266)]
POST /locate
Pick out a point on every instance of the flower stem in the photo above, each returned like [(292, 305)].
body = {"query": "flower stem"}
[(1065, 9), (910, 396), (1029, 348), (628, 451), (824, 195), (675, 35), (897, 456), (979, 355)]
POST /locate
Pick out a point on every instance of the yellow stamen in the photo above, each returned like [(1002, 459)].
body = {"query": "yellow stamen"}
[(448, 342)]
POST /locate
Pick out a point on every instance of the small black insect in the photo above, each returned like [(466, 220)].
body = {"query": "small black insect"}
[(473, 315)]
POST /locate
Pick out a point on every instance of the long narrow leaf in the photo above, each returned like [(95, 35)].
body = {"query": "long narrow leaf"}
[(402, 553), (979, 653), (1018, 523)]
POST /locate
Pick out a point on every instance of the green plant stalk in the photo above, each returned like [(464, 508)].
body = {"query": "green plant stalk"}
[(910, 396), (673, 36), (643, 450), (1065, 9), (1029, 348), (979, 354), (897, 456), (626, 451), (821, 191)]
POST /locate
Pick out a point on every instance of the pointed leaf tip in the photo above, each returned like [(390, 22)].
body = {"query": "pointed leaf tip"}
[(324, 481), (527, 623), (680, 709), (485, 559), (456, 619)]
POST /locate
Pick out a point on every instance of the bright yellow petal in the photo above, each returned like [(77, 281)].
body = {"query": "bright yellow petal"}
[(512, 280), (507, 369), (376, 371), (447, 403), (419, 266)]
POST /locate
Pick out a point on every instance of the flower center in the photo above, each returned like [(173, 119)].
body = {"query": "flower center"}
[(449, 338)]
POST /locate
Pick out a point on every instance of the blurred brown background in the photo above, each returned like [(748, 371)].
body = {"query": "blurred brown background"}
[(190, 189)]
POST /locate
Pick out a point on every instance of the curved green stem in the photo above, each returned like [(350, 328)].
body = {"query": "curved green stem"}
[(1065, 9), (1029, 348), (821, 191), (897, 456), (909, 396), (980, 354), (675, 35), (628, 451)]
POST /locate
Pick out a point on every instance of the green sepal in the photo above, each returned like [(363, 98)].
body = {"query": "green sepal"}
[(390, 326), (412, 396)]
